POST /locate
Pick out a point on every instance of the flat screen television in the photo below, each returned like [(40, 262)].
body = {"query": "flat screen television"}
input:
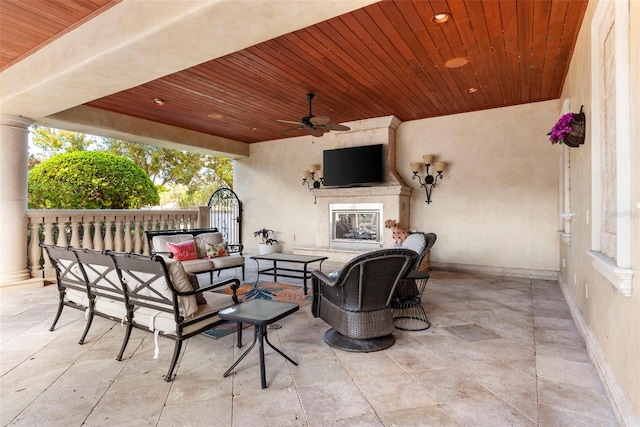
[(353, 166)]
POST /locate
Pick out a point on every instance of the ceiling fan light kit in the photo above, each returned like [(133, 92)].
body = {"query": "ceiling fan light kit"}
[(315, 125)]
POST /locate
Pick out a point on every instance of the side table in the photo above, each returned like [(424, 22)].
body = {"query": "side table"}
[(406, 304), (260, 313)]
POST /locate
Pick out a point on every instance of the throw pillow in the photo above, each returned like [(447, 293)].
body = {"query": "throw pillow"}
[(193, 279), (415, 242), (217, 250), (183, 251), (203, 239)]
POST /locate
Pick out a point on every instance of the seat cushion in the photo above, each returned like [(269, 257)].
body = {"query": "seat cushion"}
[(228, 261), (110, 307), (197, 265), (165, 322), (77, 297)]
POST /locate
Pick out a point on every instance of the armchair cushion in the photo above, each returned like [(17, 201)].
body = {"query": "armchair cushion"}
[(187, 303), (197, 265), (228, 261)]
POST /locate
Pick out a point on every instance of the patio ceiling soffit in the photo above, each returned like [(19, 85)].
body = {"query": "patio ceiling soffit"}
[(108, 124), (135, 42)]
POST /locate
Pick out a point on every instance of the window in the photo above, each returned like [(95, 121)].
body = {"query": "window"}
[(611, 144)]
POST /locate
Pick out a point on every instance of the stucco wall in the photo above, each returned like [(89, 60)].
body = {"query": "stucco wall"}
[(610, 317), (497, 207)]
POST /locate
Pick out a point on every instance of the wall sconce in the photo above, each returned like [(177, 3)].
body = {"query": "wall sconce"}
[(313, 177), (430, 181)]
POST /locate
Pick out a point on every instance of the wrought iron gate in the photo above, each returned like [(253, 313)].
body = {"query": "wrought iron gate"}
[(226, 214)]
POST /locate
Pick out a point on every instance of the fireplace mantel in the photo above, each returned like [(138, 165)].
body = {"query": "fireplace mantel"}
[(375, 191)]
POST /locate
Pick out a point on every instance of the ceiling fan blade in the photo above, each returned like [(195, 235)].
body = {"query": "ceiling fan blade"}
[(290, 121), (295, 128), (319, 120), (336, 126), (317, 132)]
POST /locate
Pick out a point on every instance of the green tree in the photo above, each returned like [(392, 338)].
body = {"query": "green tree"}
[(53, 141), (168, 167), (184, 178), (90, 180)]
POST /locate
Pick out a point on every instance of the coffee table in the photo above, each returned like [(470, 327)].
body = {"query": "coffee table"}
[(260, 313), (295, 273)]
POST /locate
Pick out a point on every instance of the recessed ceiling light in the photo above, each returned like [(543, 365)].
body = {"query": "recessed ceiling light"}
[(440, 18), (471, 90), (456, 62), (158, 101), (214, 115)]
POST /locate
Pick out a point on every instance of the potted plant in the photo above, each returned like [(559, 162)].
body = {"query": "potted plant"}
[(269, 244)]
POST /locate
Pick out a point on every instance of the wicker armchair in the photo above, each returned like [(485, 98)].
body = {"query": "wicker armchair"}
[(356, 304)]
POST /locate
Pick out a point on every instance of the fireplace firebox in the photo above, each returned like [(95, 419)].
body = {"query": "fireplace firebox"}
[(356, 225)]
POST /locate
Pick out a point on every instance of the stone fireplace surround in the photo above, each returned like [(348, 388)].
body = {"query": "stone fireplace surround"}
[(393, 194)]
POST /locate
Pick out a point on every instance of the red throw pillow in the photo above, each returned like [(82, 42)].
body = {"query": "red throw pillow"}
[(183, 251)]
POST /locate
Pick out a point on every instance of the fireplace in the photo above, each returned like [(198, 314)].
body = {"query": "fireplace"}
[(355, 225), (350, 220)]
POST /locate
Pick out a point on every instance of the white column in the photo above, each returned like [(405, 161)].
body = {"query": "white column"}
[(13, 198)]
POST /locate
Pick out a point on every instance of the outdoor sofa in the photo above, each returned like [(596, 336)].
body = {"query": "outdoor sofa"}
[(138, 291), (200, 250)]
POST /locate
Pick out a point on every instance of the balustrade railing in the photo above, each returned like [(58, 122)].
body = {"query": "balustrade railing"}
[(117, 230)]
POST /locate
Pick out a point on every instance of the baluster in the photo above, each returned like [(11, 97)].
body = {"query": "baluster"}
[(62, 234), (108, 236), (35, 250), (75, 233), (49, 271), (145, 242), (155, 222), (118, 236), (127, 236), (98, 241), (137, 242), (87, 242)]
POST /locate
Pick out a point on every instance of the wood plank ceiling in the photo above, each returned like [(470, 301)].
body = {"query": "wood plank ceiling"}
[(387, 58)]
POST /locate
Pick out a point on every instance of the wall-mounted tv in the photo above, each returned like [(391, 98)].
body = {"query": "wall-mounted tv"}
[(353, 166)]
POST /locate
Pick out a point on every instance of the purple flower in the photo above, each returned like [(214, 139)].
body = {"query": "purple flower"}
[(561, 128)]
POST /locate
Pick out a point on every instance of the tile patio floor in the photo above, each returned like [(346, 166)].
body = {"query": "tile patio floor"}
[(500, 352)]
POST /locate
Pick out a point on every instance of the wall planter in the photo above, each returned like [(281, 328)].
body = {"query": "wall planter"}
[(569, 130)]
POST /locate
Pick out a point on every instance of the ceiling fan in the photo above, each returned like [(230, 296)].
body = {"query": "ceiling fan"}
[(316, 125)]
